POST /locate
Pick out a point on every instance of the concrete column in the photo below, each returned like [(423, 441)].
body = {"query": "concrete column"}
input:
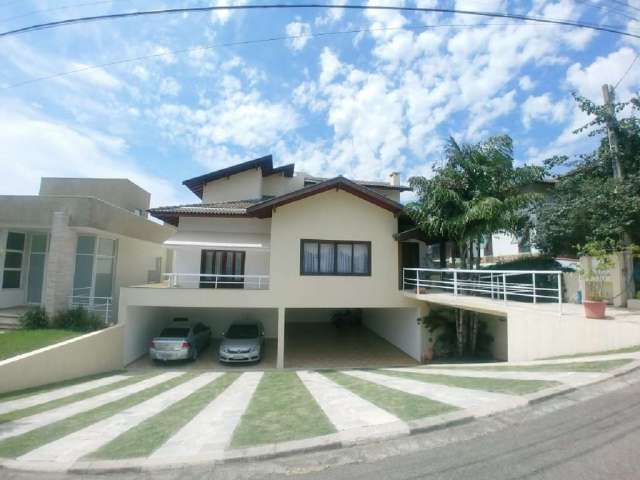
[(60, 264), (281, 319)]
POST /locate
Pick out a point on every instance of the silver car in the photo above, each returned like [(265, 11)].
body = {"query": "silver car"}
[(180, 341), (242, 342)]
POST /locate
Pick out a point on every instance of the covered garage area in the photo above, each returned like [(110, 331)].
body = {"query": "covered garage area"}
[(144, 323), (339, 338)]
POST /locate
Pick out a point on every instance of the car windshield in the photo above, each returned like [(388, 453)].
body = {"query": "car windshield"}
[(237, 332), (175, 332)]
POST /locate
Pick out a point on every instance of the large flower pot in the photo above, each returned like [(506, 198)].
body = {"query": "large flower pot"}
[(594, 309)]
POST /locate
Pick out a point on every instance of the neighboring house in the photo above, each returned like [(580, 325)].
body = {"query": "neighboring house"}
[(76, 243), (268, 244)]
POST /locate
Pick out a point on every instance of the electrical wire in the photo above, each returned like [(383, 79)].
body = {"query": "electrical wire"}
[(627, 71), (252, 42), (169, 11)]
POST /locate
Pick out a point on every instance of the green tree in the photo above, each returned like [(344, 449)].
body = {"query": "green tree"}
[(588, 204)]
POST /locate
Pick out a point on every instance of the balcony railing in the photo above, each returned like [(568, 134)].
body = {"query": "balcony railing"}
[(101, 306), (520, 285), (207, 280)]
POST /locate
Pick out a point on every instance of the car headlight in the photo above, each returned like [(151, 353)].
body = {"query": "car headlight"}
[(255, 349)]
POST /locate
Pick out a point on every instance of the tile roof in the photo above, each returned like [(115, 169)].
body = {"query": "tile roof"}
[(310, 180), (170, 214)]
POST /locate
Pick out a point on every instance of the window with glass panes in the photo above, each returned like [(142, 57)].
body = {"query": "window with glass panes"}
[(335, 257), (95, 264), (13, 260)]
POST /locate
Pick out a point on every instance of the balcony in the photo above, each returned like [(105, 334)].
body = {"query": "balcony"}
[(200, 280)]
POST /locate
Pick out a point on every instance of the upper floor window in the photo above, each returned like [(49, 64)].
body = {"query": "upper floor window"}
[(335, 257)]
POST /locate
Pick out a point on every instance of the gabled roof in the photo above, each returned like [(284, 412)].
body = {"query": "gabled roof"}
[(196, 184), (237, 208), (309, 180), (264, 209)]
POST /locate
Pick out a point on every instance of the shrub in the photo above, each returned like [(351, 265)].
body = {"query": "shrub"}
[(78, 319), (34, 319)]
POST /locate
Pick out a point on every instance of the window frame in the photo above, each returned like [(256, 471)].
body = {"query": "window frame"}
[(22, 266), (335, 272), (95, 257)]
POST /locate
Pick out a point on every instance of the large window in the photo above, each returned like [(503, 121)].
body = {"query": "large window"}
[(95, 259), (223, 269), (13, 260), (334, 257)]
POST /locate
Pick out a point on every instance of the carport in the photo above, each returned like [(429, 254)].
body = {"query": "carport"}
[(144, 323), (383, 338)]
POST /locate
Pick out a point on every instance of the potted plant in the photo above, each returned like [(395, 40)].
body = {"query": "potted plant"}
[(596, 277)]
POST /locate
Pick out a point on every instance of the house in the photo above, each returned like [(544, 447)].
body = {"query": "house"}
[(76, 243), (270, 244)]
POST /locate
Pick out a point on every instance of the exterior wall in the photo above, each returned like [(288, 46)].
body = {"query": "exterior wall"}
[(137, 262), (245, 185), (497, 327), (58, 282), (89, 354), (278, 184), (532, 337), (117, 191), (334, 215), (392, 194), (506, 245), (399, 327)]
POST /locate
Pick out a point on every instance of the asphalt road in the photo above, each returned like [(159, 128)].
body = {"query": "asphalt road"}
[(590, 434)]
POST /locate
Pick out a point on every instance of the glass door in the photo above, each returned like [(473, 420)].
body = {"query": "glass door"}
[(223, 269), (37, 262)]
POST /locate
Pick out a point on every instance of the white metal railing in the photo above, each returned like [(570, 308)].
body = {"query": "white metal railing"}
[(207, 280), (490, 283), (102, 306)]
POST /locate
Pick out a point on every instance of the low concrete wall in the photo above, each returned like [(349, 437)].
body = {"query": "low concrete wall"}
[(88, 354), (532, 337)]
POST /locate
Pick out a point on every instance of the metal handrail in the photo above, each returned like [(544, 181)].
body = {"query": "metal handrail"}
[(100, 305), (250, 282), (497, 286)]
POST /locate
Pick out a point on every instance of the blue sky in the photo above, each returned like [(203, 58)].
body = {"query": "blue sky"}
[(360, 105)]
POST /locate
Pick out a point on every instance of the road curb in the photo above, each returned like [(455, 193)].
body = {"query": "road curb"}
[(430, 424)]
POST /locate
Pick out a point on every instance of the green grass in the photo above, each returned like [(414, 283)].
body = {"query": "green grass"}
[(15, 394), (145, 438), (497, 385), (605, 352), (21, 444), (405, 406), (25, 412), (15, 342), (281, 409), (598, 366)]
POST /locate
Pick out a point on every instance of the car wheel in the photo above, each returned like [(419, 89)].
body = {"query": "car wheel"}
[(194, 355)]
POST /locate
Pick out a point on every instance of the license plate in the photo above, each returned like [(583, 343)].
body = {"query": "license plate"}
[(166, 355)]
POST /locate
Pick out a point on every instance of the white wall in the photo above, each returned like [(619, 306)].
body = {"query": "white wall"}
[(398, 326), (278, 184), (497, 327), (245, 185), (95, 352)]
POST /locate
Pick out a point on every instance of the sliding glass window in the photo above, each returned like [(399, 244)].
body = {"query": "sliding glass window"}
[(333, 257)]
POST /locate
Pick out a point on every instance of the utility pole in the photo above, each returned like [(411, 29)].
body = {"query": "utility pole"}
[(609, 95), (625, 258)]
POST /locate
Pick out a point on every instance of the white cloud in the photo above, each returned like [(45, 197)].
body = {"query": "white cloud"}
[(300, 30), (169, 86), (543, 108), (526, 83), (34, 146)]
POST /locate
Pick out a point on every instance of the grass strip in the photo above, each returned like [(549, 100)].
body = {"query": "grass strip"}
[(26, 412), (19, 445), (405, 406), (16, 342), (281, 409), (15, 394), (496, 385), (597, 366), (145, 438), (593, 354)]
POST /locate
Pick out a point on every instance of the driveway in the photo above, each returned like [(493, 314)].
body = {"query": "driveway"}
[(156, 418)]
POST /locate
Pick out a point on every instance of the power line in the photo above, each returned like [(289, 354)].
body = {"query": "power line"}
[(625, 4), (251, 42), (627, 71), (168, 11), (608, 9)]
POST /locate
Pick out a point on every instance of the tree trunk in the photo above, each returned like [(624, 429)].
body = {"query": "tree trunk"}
[(474, 333), (460, 332), (443, 254), (471, 254), (478, 253)]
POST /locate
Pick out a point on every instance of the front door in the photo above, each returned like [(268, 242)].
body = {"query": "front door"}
[(410, 254), (222, 269)]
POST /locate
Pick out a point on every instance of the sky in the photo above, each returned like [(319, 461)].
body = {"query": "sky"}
[(358, 104)]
